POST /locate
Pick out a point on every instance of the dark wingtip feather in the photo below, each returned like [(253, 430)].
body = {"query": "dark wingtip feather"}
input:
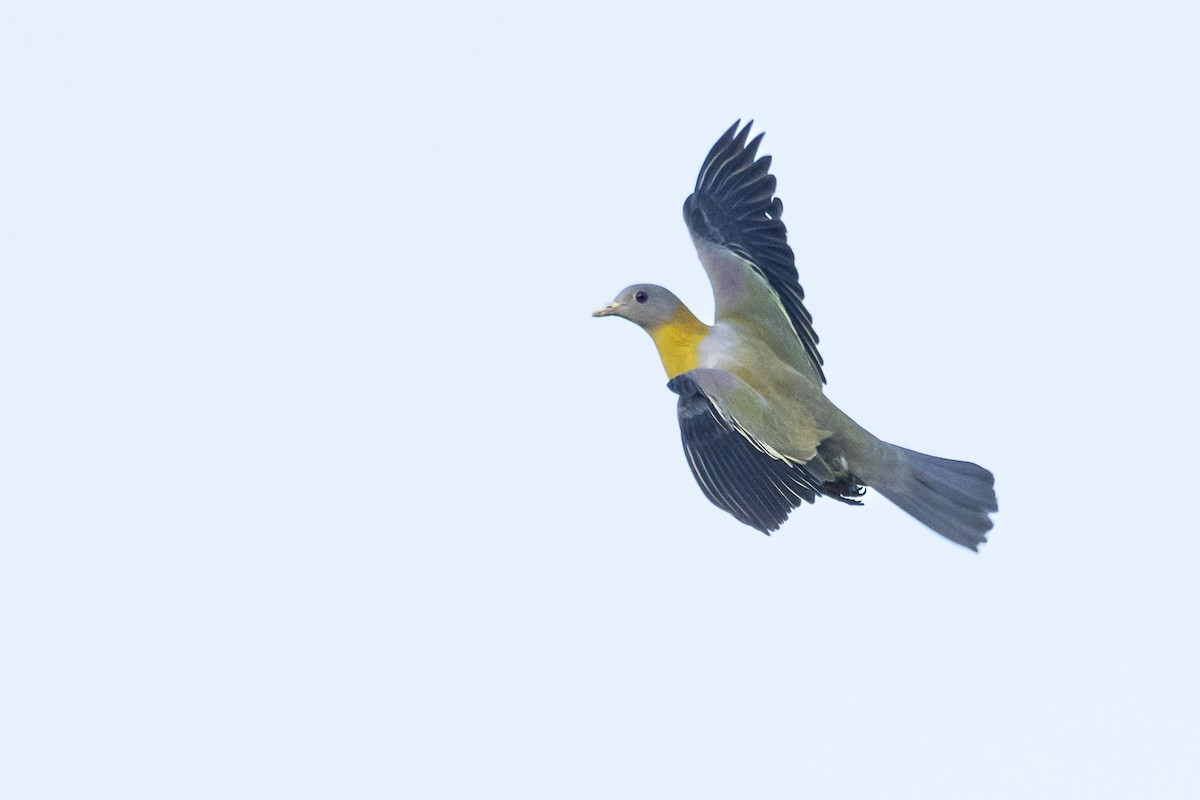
[(734, 206), (735, 474)]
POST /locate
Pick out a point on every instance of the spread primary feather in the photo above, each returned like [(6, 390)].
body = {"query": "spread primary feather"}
[(758, 431)]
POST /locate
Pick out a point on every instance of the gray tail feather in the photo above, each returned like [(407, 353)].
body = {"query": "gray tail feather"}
[(954, 498)]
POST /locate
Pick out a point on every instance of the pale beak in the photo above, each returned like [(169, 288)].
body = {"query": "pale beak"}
[(605, 311)]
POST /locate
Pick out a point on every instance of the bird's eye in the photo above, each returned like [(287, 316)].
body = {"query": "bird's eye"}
[(641, 296)]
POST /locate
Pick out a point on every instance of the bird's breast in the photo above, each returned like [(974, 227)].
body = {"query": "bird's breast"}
[(678, 341)]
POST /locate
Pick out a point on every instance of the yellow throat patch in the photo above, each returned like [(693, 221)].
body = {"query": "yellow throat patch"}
[(678, 340)]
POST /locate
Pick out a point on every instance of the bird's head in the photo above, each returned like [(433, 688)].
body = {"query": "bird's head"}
[(644, 304)]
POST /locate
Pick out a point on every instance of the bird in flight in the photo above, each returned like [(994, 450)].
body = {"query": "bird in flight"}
[(758, 432)]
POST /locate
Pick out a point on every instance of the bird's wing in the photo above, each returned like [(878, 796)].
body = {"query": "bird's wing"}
[(737, 471), (734, 219)]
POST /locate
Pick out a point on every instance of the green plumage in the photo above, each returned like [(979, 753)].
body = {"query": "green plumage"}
[(758, 432)]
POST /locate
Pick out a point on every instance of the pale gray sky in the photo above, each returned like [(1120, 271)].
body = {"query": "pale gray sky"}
[(318, 480)]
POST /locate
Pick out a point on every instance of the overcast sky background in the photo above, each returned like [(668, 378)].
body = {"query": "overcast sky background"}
[(318, 480)]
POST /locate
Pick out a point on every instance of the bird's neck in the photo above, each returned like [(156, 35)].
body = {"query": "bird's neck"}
[(678, 341)]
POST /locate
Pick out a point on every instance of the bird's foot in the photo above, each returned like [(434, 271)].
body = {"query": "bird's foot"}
[(845, 490)]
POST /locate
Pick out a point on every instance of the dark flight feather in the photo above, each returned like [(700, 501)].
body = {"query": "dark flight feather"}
[(735, 474), (734, 205)]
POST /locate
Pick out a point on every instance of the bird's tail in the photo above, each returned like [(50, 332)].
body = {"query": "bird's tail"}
[(954, 498)]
